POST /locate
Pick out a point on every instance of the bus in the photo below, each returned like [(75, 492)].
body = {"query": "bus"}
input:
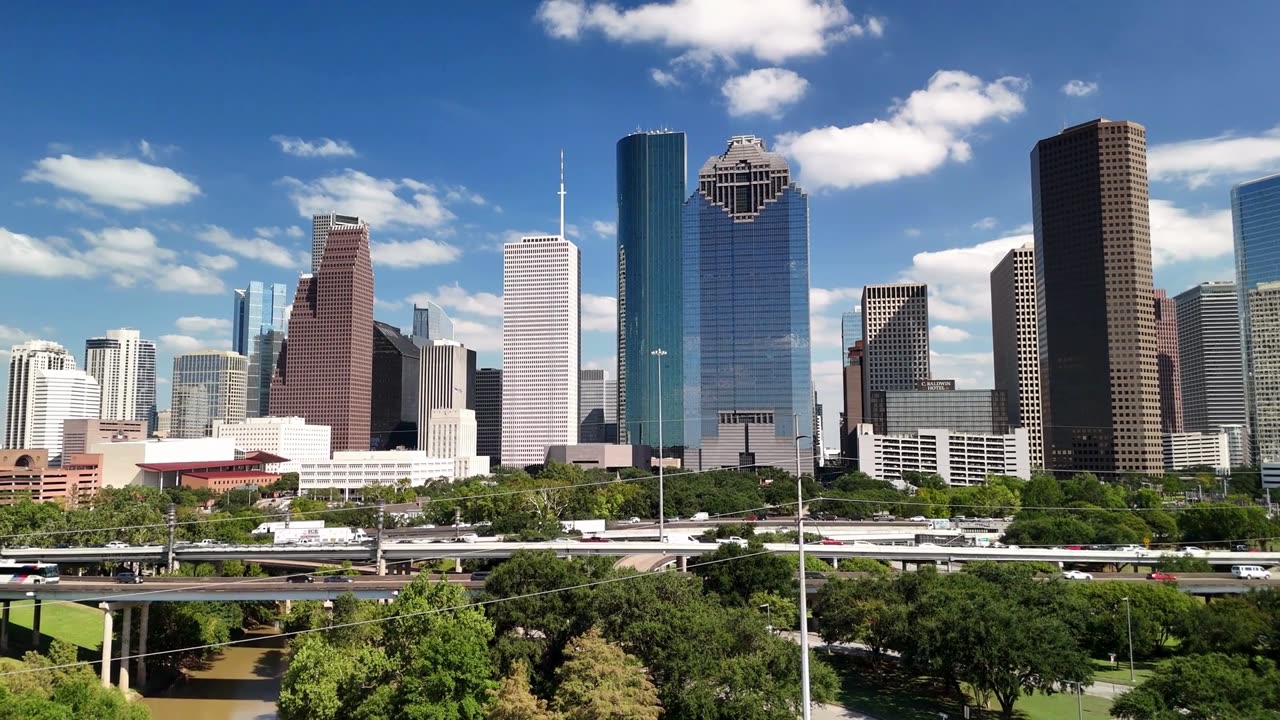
[(28, 573)]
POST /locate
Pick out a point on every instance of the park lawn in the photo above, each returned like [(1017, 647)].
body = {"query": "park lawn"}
[(1102, 670), (76, 624), (1062, 706)]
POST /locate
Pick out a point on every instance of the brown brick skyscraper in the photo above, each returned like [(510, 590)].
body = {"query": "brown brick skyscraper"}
[(326, 372), (1101, 392)]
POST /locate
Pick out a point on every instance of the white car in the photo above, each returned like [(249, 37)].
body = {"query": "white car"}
[(1135, 549), (1250, 572), (633, 521), (116, 544), (1076, 575), (1193, 552), (917, 518)]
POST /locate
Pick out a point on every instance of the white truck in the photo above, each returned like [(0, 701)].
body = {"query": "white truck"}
[(732, 540), (586, 527), (268, 528), (319, 536)]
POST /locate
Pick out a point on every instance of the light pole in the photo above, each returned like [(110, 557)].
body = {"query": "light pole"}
[(662, 517), (804, 600), (1128, 621), (768, 611), (1079, 698)]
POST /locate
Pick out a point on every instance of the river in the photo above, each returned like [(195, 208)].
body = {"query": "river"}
[(240, 684)]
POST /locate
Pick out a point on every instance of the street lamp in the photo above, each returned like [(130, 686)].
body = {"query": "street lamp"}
[(1079, 698), (1128, 621), (804, 600), (662, 522), (768, 611)]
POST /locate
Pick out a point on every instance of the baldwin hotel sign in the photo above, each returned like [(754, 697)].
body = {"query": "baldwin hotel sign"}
[(935, 385)]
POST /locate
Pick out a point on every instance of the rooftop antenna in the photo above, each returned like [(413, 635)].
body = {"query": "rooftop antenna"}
[(562, 236)]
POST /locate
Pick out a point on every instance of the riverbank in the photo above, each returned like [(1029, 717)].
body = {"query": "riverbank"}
[(242, 682)]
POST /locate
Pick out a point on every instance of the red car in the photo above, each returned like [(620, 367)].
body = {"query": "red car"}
[(1162, 576), (831, 541), (595, 538)]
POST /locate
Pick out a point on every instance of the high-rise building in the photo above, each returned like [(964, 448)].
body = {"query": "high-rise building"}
[(1168, 363), (258, 334), (24, 361), (937, 404), (393, 416), (447, 377), (652, 168), (541, 347), (124, 365), (431, 322), (164, 423), (320, 227), (820, 450), (850, 332), (748, 386), (1015, 341), (1264, 355), (895, 336), (208, 385), (84, 435), (1100, 387), (1254, 206), (488, 386), (597, 411), (58, 396), (287, 437), (855, 377), (325, 374), (1210, 358), (450, 433)]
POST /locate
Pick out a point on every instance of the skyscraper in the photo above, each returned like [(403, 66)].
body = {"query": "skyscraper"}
[(208, 385), (325, 373), (850, 332), (446, 382), (1100, 390), (895, 336), (1264, 344), (258, 334), (431, 322), (320, 227), (597, 413), (1254, 205), (1015, 340), (747, 380), (24, 361), (488, 386), (853, 380), (1210, 357), (125, 367), (652, 168), (541, 347), (57, 396), (393, 415), (1168, 363)]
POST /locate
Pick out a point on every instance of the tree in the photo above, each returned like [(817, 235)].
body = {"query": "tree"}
[(514, 699), (736, 573), (1205, 687), (1232, 625), (866, 610), (599, 681), (1222, 523), (1156, 613), (1043, 491)]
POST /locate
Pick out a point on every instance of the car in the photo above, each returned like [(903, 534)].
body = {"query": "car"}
[(864, 543), (300, 579), (917, 518), (1250, 572), (1075, 547), (754, 518), (468, 538), (1245, 548), (128, 577), (116, 544), (480, 576), (210, 543), (594, 539), (1162, 576), (338, 579), (814, 575), (926, 545), (732, 540), (633, 521), (1135, 549), (1076, 575), (428, 526), (1193, 552), (831, 541), (461, 524)]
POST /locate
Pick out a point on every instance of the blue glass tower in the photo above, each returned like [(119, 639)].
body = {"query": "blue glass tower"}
[(850, 332), (1255, 219), (651, 190), (258, 334), (746, 313), (431, 322)]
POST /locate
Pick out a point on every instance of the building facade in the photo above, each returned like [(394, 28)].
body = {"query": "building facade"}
[(895, 336), (58, 396), (1168, 363), (597, 411), (85, 435), (850, 332), (288, 437), (27, 475), (1254, 205), (1264, 368), (207, 385), (24, 361), (1210, 360), (652, 169), (431, 322), (124, 364), (1193, 450), (1238, 443), (393, 415), (1100, 387), (488, 386), (326, 373), (448, 377), (959, 458), (351, 470), (258, 334), (541, 347), (746, 313), (123, 462), (939, 405), (164, 423), (853, 381), (320, 227), (1015, 344)]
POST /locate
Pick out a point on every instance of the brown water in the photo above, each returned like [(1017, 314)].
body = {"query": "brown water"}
[(240, 684)]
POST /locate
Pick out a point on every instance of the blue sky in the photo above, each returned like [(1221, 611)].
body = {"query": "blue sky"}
[(157, 155)]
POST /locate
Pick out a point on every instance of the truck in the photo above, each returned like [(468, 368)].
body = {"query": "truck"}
[(700, 516), (268, 528), (319, 536), (586, 527)]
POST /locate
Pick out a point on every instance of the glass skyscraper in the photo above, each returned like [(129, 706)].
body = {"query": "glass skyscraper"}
[(651, 190), (850, 332), (258, 334), (746, 312), (431, 322), (1255, 219)]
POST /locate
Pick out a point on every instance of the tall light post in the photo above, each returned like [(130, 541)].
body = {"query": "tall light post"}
[(1128, 621), (804, 591), (769, 614), (662, 516)]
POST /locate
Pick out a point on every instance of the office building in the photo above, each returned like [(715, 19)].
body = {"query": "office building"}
[(164, 423), (26, 475), (652, 167), (488, 385), (58, 396), (747, 382), (1168, 363), (447, 377), (152, 462), (853, 381), (1015, 344), (1209, 357), (604, 456), (86, 435), (451, 433), (937, 404), (850, 332), (287, 437), (207, 385), (597, 409), (320, 227), (1100, 384), (895, 336), (326, 373), (393, 418), (959, 458), (431, 322), (350, 471), (124, 365), (258, 334), (1264, 369), (541, 347), (24, 361), (1238, 443), (820, 450), (1183, 451), (1254, 206)]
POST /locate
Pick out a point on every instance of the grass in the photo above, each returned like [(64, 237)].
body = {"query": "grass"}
[(76, 624), (1054, 707), (1103, 670)]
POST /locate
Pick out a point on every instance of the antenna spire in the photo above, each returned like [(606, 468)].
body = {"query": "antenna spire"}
[(562, 236)]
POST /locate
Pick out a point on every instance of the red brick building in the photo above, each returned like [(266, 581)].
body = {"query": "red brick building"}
[(1167, 364), (26, 474)]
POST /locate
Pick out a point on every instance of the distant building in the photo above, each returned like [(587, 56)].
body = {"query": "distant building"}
[(58, 396), (895, 336), (850, 332), (207, 385), (24, 361), (606, 456), (488, 385), (1210, 358), (959, 458), (122, 462), (451, 433), (820, 450), (320, 226), (289, 437), (164, 423), (352, 470), (1015, 340), (25, 474), (1264, 365), (124, 365), (86, 435), (1168, 363), (597, 412), (969, 411), (854, 380), (393, 417), (1188, 450), (1254, 205), (1238, 447), (258, 334), (447, 379), (431, 322)]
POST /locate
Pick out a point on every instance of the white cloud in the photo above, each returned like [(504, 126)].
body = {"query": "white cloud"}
[(969, 370), (1227, 157), (122, 183), (609, 364), (770, 30), (599, 313), (413, 253), (1080, 88), (911, 232), (663, 78), (293, 231), (145, 148), (959, 278), (947, 334), (605, 228), (215, 263), (922, 133), (478, 336), (198, 325), (25, 255), (181, 343), (378, 201), (454, 297), (1178, 234), (77, 206), (460, 193), (255, 248), (766, 91), (320, 147), (184, 278), (986, 223), (162, 381), (13, 336), (572, 231), (822, 298), (381, 304)]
